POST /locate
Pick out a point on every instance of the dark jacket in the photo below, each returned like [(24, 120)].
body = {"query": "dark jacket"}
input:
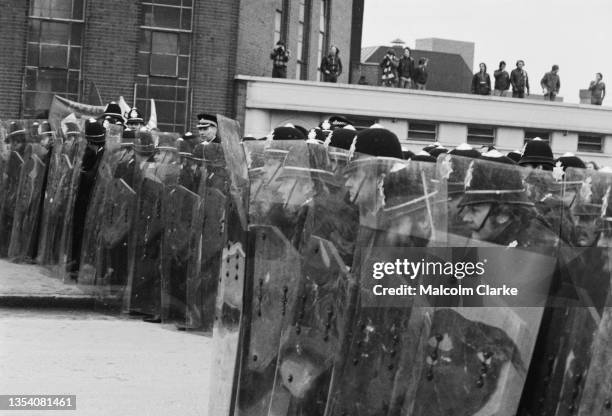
[(420, 75), (502, 80), (333, 64), (551, 82), (481, 83), (406, 67), (519, 80)]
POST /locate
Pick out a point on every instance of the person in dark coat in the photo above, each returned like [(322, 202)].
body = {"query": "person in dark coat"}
[(519, 80), (502, 81), (481, 81), (551, 83), (331, 65), (405, 70), (280, 56), (421, 75)]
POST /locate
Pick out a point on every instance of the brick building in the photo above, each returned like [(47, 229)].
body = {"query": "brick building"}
[(183, 53)]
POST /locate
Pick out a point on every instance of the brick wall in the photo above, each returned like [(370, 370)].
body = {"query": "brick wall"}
[(340, 33), (256, 37), (213, 53), (13, 36), (110, 52)]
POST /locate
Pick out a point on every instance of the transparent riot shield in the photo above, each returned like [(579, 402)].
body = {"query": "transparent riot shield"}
[(99, 205), (231, 293), (569, 335), (69, 246), (56, 197), (477, 343), (16, 140), (314, 339), (397, 211), (451, 173), (182, 247), (156, 173), (275, 275), (212, 231), (180, 211), (24, 235)]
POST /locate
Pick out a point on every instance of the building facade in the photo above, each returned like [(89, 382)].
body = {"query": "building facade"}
[(184, 54), (422, 117)]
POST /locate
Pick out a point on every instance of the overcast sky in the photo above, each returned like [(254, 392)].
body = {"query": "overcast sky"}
[(576, 35)]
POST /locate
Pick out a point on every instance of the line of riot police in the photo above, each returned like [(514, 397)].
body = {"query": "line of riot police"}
[(266, 244)]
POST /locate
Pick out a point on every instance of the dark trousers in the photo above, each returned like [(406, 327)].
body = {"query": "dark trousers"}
[(279, 72), (550, 96), (518, 93)]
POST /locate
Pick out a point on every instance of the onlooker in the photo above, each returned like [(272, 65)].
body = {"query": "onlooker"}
[(389, 66), (331, 65), (598, 90), (502, 81), (405, 69), (420, 74), (280, 56), (551, 83), (519, 80), (481, 82)]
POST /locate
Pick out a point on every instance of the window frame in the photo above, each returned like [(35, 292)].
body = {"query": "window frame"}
[(304, 23), (34, 72), (582, 136), (481, 143), (179, 83), (411, 123)]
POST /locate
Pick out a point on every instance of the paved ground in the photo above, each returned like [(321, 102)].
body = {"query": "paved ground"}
[(115, 366), (33, 280)]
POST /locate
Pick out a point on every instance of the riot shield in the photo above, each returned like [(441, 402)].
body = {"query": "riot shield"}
[(61, 169), (475, 356), (397, 211), (24, 236), (155, 174), (228, 330), (314, 339), (569, 334), (202, 285), (112, 260), (16, 141), (275, 274), (180, 211), (67, 198), (98, 204)]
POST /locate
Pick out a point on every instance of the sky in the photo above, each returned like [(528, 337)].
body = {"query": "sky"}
[(576, 35)]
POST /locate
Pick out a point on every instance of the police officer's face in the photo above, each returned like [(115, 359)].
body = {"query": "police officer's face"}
[(356, 182), (587, 232), (477, 218), (207, 133)]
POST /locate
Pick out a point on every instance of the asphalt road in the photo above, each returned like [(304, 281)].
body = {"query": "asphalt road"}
[(115, 366)]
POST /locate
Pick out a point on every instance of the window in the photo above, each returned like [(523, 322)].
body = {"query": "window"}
[(169, 14), (302, 46), (482, 136), (323, 22), (532, 134), (424, 131), (53, 58), (164, 56), (590, 143), (278, 25)]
